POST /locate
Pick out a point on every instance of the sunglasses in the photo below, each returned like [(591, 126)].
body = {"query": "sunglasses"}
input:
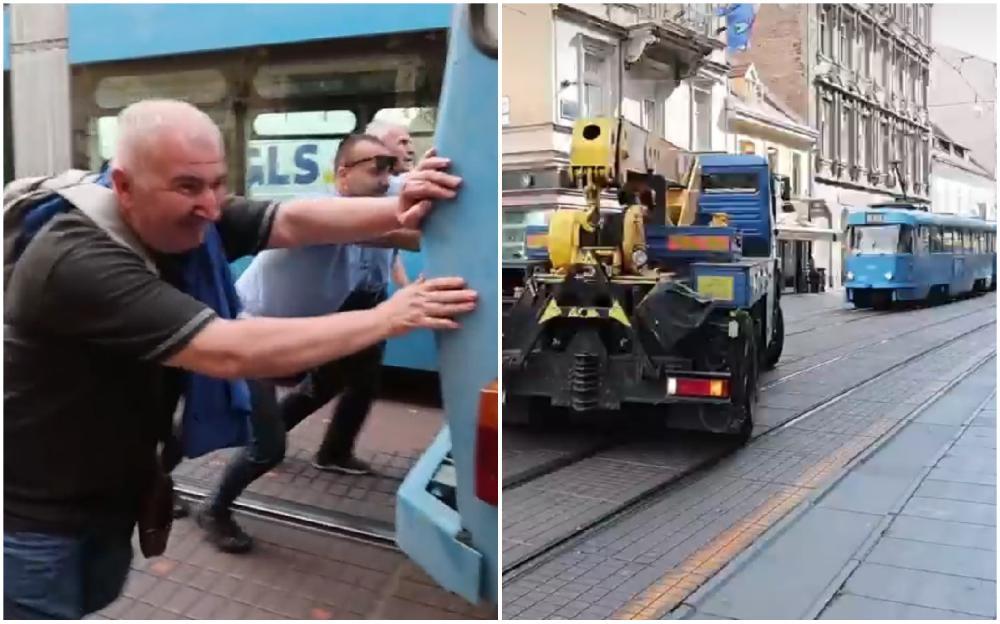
[(382, 163)]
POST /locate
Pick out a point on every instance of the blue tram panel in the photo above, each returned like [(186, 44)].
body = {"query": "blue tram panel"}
[(898, 253), (111, 32), (447, 508)]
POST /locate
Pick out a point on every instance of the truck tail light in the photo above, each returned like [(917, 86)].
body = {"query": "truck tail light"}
[(487, 446), (695, 387)]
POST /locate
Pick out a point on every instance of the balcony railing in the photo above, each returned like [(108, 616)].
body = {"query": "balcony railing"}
[(700, 18)]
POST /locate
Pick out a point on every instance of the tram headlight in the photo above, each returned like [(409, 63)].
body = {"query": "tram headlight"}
[(888, 276), (639, 258), (850, 276)]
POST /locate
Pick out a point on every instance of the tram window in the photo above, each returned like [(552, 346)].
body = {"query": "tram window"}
[(199, 87), (948, 240), (925, 239), (346, 76), (905, 245), (875, 239), (305, 123), (937, 239)]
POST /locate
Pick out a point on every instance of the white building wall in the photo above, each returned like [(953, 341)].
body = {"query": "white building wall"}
[(961, 192), (677, 116)]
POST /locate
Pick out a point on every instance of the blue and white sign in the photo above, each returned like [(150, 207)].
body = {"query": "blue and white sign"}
[(286, 168)]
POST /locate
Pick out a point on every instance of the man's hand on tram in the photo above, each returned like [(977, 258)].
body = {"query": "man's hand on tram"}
[(423, 185), (332, 220), (427, 303)]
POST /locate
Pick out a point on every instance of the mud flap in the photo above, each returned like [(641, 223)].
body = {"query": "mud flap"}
[(428, 530)]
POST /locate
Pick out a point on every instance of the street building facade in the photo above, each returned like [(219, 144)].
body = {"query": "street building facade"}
[(758, 122), (661, 67), (963, 116), (959, 184), (858, 74)]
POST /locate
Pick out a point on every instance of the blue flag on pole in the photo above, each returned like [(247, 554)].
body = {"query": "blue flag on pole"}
[(739, 24)]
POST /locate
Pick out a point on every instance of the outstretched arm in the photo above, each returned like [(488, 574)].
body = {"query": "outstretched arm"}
[(318, 221), (281, 347)]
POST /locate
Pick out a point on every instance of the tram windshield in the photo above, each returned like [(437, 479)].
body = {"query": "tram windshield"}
[(881, 239)]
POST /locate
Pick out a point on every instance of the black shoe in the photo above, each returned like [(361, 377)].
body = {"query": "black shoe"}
[(223, 531), (181, 507), (349, 465)]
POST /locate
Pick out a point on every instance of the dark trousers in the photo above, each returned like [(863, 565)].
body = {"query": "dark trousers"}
[(63, 577), (356, 377)]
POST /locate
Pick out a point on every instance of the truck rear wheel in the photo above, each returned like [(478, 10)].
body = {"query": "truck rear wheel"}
[(773, 351), (745, 369)]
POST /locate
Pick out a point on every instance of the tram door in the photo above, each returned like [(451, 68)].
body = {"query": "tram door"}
[(446, 514)]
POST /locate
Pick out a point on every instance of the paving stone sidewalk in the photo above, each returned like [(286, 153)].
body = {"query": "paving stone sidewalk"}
[(291, 574), (909, 533)]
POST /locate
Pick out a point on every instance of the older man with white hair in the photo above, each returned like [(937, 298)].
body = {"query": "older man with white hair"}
[(111, 315), (397, 138)]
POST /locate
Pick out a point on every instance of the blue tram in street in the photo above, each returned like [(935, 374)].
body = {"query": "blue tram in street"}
[(899, 252)]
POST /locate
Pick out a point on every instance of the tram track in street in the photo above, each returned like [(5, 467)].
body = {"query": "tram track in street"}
[(858, 348), (608, 443), (537, 554), (297, 515)]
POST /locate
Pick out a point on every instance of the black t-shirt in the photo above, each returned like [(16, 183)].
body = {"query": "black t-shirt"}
[(86, 397)]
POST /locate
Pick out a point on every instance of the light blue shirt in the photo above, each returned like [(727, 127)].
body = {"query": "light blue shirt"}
[(315, 280)]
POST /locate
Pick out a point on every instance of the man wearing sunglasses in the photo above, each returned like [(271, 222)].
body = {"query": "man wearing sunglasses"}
[(307, 282)]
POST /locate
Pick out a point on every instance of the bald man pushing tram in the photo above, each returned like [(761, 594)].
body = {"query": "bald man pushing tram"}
[(110, 318)]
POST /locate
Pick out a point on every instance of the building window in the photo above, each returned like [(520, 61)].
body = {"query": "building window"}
[(585, 90), (797, 175), (827, 125), (701, 125), (864, 138), (900, 148), (887, 65), (845, 133), (886, 143), (867, 52), (900, 68), (853, 121), (593, 84), (649, 115), (846, 49), (825, 29)]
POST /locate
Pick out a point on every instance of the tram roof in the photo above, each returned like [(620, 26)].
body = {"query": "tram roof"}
[(902, 215), (113, 32)]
